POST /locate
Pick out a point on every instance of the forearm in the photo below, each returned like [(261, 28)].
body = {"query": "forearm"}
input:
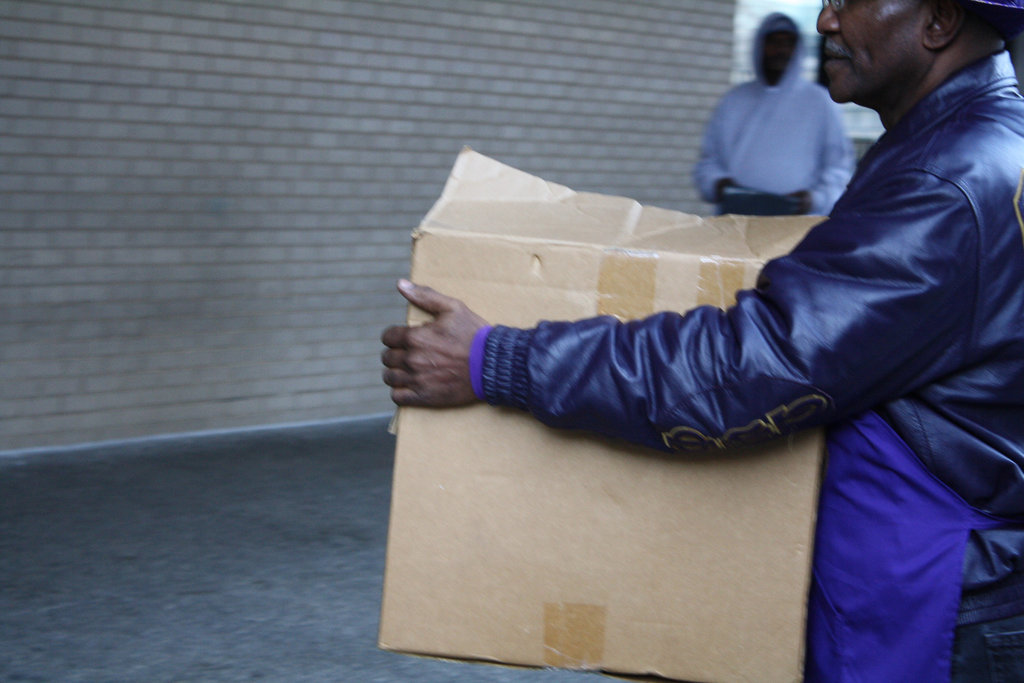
[(829, 333), (669, 381)]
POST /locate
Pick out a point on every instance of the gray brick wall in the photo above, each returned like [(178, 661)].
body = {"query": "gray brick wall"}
[(205, 204)]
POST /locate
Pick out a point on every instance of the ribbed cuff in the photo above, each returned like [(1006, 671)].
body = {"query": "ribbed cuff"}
[(476, 360), (504, 373)]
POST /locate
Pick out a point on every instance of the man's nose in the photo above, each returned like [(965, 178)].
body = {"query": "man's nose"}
[(828, 20)]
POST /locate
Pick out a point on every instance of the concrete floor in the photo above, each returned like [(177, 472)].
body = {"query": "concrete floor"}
[(226, 557)]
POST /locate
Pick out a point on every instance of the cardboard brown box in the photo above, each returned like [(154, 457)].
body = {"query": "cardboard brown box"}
[(512, 542)]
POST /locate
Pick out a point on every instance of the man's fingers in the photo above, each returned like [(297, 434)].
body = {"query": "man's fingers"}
[(405, 391), (393, 358), (430, 300), (396, 378), (406, 397), (395, 336)]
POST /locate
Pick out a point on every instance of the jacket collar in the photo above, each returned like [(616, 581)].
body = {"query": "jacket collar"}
[(985, 75)]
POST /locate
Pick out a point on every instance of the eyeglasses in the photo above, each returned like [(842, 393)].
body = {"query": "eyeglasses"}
[(836, 5)]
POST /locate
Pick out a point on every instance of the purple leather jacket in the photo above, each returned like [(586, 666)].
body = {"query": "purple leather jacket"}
[(909, 299)]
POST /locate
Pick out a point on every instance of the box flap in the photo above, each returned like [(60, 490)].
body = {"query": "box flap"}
[(485, 196)]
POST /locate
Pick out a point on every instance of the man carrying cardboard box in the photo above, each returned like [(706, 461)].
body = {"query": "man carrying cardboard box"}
[(898, 323)]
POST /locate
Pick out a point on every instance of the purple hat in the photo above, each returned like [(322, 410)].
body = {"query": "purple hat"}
[(1007, 16)]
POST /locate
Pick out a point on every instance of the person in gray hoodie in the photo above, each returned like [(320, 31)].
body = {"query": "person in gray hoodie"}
[(775, 144)]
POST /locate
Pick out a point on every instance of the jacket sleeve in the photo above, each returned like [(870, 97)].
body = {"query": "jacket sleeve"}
[(712, 164), (872, 304)]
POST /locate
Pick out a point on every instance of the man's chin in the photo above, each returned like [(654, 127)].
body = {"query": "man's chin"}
[(838, 95), (836, 91)]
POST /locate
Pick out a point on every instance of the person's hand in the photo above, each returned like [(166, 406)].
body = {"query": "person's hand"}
[(428, 365), (804, 197), (720, 187)]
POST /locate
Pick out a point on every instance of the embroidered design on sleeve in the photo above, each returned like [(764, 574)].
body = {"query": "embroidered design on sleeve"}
[(776, 422)]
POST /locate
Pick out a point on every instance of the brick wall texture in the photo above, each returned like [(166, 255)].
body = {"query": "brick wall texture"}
[(206, 203)]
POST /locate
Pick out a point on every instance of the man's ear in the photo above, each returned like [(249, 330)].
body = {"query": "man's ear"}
[(945, 19)]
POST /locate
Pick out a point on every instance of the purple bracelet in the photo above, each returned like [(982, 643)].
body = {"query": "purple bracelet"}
[(476, 360)]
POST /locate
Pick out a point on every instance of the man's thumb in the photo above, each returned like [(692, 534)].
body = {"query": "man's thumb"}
[(425, 298)]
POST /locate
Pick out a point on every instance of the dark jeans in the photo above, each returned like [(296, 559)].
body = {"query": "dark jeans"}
[(989, 645)]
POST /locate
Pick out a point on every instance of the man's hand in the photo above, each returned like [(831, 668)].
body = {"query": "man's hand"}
[(428, 365), (804, 197)]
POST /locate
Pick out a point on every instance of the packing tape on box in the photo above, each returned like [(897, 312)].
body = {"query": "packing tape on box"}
[(627, 283), (574, 635), (719, 281)]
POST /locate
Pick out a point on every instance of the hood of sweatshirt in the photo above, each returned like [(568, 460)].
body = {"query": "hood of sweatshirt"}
[(772, 23)]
